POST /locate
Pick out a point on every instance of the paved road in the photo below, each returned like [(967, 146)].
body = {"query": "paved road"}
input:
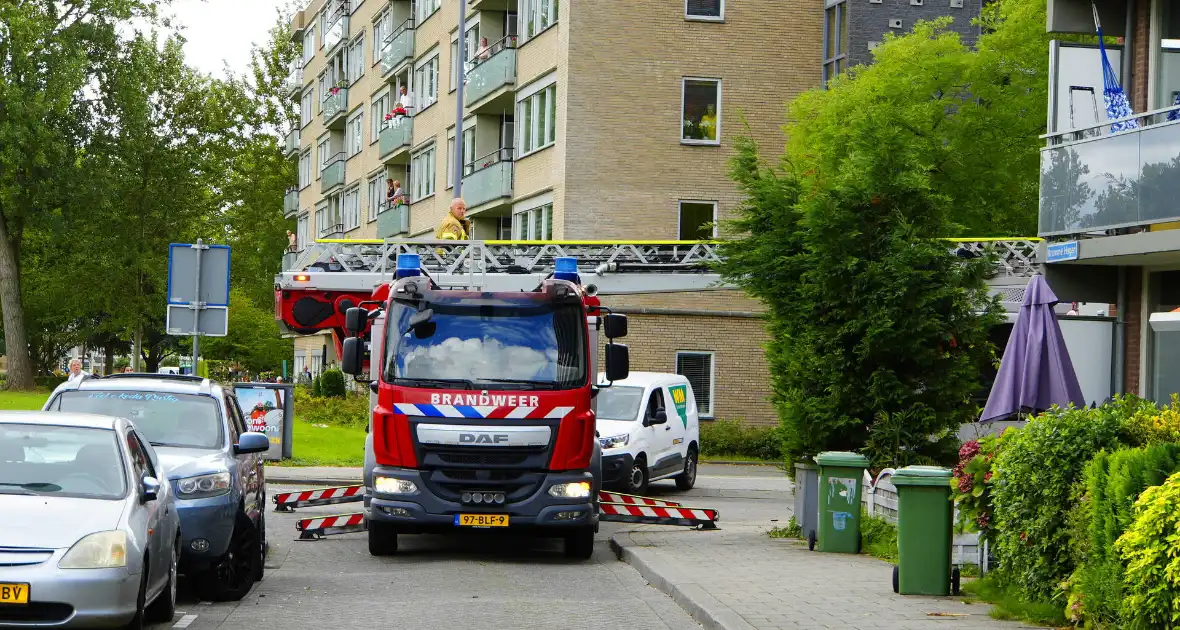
[(435, 581)]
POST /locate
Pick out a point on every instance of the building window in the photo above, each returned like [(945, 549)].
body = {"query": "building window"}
[(704, 9), (322, 155), (471, 48), (355, 133), (305, 112), (301, 232), (538, 119), (356, 59), (701, 108), (697, 367), (534, 224), (305, 169), (321, 217), (323, 84), (425, 8), (468, 155), (382, 28), (696, 220), (426, 82), (376, 197), (835, 39), (352, 209), (537, 15), (309, 45), (422, 174), (381, 106)]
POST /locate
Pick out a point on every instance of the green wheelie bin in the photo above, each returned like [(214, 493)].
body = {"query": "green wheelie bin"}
[(924, 532), (840, 477)]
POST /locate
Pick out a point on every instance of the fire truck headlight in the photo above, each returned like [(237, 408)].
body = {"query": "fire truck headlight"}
[(389, 485), (614, 441), (575, 490)]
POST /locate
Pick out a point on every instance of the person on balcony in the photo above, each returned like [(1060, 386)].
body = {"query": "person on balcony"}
[(394, 195), (484, 52), (453, 227), (405, 101), (292, 242)]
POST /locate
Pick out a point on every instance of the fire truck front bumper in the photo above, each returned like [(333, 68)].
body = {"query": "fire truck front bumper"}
[(416, 502)]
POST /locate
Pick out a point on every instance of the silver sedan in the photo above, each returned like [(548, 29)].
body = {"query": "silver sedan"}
[(90, 535)]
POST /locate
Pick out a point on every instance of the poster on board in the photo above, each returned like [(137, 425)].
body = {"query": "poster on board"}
[(265, 409)]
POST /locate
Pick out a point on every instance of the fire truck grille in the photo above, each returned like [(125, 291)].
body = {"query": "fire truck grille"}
[(484, 459), (450, 483)]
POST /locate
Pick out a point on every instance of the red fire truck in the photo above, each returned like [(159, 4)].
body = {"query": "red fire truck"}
[(484, 414)]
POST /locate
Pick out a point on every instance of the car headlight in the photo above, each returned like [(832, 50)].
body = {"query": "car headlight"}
[(575, 490), (614, 441), (101, 550), (389, 485), (203, 486)]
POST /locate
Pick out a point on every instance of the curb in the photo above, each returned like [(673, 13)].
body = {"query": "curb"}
[(304, 481), (702, 607), (726, 462)]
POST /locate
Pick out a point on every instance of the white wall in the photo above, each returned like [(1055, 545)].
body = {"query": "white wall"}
[(1090, 345)]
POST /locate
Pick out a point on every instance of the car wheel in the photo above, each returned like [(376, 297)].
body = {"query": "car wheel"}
[(232, 576), (382, 539), (136, 622), (580, 545), (687, 479), (164, 608), (635, 481)]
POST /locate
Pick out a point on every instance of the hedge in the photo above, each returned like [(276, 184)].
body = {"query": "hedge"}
[(730, 438)]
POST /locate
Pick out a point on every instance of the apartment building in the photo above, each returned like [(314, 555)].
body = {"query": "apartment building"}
[(582, 119), (1109, 192)]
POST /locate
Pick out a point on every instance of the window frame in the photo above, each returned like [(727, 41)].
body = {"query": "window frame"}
[(349, 212), (376, 195), (528, 98), (303, 229), (378, 114), (308, 95), (354, 140), (538, 204), (831, 66), (355, 61), (382, 28), (429, 146), (429, 60), (303, 54), (704, 18), (701, 412), (419, 17), (683, 89), (528, 14), (680, 215), (305, 182)]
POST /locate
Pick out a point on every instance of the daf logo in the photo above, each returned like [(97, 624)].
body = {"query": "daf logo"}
[(483, 438)]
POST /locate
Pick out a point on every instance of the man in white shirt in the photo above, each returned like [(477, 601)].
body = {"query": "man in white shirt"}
[(76, 373), (405, 100)]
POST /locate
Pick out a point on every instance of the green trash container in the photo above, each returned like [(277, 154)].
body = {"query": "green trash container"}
[(840, 478), (924, 532)]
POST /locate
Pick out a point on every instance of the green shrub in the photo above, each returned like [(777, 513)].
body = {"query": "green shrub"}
[(1035, 473), (730, 437), (973, 484), (352, 410), (48, 382), (315, 386), (878, 537), (332, 384), (1148, 550)]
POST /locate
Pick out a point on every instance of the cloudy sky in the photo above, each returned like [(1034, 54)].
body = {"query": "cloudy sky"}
[(222, 31)]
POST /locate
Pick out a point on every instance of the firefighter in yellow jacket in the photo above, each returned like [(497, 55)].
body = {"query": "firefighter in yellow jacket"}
[(453, 227)]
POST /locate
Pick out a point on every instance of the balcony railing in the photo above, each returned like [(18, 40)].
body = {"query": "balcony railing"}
[(488, 178), (291, 201), (398, 47), (294, 81), (1094, 180), (332, 174), (335, 105), (336, 29), (396, 133), (291, 143), (491, 70), (331, 230), (393, 220)]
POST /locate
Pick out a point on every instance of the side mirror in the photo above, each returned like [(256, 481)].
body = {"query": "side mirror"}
[(355, 321), (149, 489), (252, 443), (614, 326), (350, 356), (618, 362), (661, 417)]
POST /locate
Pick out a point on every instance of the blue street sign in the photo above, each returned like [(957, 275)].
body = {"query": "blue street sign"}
[(1061, 252)]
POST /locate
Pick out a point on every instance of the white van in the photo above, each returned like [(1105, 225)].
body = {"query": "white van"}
[(649, 429)]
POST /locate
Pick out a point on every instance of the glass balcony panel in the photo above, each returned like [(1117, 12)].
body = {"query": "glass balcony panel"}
[(335, 104), (396, 133), (332, 175), (334, 34), (488, 184), (398, 48), (490, 75), (393, 221)]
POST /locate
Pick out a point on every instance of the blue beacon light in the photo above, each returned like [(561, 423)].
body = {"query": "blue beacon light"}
[(408, 265), (566, 269)]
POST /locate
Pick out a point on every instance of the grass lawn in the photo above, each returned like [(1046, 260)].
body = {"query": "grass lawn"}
[(22, 401), (740, 458), (326, 446)]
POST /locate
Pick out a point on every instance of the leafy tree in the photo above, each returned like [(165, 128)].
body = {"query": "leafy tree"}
[(253, 339)]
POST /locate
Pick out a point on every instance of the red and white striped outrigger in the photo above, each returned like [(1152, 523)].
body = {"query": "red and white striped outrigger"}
[(613, 506)]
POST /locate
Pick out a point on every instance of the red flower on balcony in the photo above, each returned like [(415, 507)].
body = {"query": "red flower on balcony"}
[(400, 111), (334, 91)]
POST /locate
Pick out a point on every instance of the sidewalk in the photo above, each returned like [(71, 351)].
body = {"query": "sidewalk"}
[(738, 578)]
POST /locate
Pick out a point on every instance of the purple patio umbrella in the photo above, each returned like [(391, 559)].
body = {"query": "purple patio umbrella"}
[(1036, 372)]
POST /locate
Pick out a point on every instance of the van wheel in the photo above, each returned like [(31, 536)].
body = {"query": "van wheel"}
[(687, 479), (382, 539), (580, 545), (636, 480)]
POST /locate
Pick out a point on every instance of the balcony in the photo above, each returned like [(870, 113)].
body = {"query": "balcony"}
[(294, 81), (329, 231), (291, 202), (335, 108), (396, 138), (492, 5), (291, 144), (393, 221), (488, 178), (298, 25), (335, 32), (332, 175), (491, 71), (1094, 180), (398, 47)]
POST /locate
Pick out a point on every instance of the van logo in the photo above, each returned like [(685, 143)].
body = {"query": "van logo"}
[(483, 438), (680, 399)]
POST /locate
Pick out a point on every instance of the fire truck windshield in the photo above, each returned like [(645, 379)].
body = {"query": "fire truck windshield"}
[(488, 344)]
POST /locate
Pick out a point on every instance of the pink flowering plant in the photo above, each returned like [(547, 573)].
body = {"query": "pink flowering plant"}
[(972, 483)]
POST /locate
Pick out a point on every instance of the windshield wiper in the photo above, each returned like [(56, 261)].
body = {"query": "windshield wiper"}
[(173, 445), (34, 486), (527, 383), (434, 382)]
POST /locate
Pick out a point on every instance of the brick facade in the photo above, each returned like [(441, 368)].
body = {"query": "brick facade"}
[(1133, 323), (868, 22)]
